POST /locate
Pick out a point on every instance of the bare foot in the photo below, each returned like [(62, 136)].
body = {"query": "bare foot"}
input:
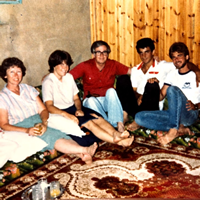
[(126, 142), (87, 159), (92, 149), (125, 134), (125, 117), (160, 134), (120, 127), (117, 136), (184, 131), (172, 133), (86, 156), (133, 126)]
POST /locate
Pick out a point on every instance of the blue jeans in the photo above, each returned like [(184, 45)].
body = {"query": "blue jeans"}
[(175, 115), (109, 106)]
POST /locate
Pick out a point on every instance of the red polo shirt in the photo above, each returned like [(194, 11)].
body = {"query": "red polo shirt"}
[(95, 81)]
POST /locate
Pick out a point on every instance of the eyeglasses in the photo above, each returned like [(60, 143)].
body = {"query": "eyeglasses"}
[(98, 53)]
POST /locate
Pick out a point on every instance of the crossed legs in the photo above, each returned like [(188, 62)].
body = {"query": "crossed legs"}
[(106, 132)]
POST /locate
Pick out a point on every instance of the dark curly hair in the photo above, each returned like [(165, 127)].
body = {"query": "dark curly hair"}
[(57, 57), (179, 47), (10, 62), (145, 42)]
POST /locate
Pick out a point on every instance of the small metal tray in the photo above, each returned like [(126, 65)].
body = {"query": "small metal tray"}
[(27, 194)]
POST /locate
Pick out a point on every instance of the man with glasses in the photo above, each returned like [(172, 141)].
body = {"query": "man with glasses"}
[(98, 76)]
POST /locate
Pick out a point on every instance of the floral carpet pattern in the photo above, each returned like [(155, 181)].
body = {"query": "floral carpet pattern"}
[(143, 170)]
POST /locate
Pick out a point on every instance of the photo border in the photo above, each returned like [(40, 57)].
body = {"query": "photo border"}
[(11, 2)]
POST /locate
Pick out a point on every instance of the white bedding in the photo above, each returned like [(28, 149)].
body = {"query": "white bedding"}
[(17, 146)]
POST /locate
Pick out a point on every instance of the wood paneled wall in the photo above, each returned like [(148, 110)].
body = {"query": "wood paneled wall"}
[(122, 22)]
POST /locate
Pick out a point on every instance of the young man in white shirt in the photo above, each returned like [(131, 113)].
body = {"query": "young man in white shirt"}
[(141, 91), (182, 92)]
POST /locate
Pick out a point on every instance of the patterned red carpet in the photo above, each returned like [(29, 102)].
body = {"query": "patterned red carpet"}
[(144, 170)]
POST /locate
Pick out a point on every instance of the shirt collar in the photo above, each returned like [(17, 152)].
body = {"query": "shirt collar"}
[(139, 67)]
